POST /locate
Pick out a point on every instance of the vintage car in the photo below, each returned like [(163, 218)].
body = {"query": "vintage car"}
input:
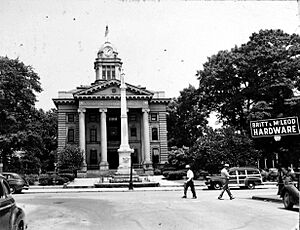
[(11, 216), (247, 177), (16, 182), (290, 193)]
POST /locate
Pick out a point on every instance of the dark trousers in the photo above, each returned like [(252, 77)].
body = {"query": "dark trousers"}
[(189, 184), (226, 188)]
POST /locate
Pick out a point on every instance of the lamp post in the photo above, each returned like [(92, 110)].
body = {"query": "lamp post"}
[(280, 180), (130, 186)]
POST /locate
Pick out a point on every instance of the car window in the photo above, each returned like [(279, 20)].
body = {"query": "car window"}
[(241, 172), (252, 172), (232, 173), (5, 175), (6, 189), (14, 176)]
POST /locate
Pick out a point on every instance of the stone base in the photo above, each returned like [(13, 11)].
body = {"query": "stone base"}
[(81, 174), (124, 178), (148, 169), (104, 168)]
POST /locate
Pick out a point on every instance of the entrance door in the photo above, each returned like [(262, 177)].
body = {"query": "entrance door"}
[(113, 158)]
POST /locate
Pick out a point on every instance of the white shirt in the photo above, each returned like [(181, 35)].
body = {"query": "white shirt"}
[(189, 175), (224, 173)]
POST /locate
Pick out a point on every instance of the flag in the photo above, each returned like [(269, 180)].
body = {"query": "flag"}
[(106, 31)]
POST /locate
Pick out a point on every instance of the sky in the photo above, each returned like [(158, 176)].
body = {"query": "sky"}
[(162, 43)]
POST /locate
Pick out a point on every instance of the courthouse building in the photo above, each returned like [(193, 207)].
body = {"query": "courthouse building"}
[(89, 117)]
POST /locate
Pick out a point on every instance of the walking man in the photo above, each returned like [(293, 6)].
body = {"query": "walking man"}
[(225, 176), (189, 182)]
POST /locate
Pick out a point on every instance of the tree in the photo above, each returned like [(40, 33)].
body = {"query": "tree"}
[(256, 77), (178, 157), (187, 117), (223, 146), (44, 128), (70, 158), (18, 85)]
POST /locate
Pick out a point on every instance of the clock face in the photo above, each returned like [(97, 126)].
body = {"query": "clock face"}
[(108, 51)]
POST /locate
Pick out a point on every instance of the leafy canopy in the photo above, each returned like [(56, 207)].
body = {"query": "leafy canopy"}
[(253, 80)]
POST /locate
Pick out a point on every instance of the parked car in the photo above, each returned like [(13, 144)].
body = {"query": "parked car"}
[(290, 193), (16, 182), (247, 177), (11, 216)]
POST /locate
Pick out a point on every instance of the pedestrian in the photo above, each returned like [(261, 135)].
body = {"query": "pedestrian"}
[(225, 176), (189, 182)]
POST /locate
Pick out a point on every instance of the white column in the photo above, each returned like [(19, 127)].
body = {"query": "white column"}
[(103, 164), (82, 136), (146, 140)]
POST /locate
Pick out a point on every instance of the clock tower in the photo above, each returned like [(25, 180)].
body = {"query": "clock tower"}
[(107, 64)]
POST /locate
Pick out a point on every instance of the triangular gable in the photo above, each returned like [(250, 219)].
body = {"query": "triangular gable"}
[(112, 87)]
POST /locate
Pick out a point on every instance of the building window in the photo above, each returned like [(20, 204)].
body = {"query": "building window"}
[(93, 135), (93, 117), (154, 134), (155, 155), (108, 72), (103, 74), (135, 159), (70, 117), (133, 132), (153, 117), (93, 157), (113, 73), (71, 137), (132, 117)]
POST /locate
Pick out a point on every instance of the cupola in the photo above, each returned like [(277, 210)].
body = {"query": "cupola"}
[(107, 64)]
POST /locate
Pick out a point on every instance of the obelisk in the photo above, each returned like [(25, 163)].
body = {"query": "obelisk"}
[(124, 150)]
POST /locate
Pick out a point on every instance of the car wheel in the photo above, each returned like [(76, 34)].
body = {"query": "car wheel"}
[(287, 201), (217, 185), (13, 189), (20, 226), (251, 185)]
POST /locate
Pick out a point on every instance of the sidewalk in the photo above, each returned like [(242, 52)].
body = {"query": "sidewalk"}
[(88, 185)]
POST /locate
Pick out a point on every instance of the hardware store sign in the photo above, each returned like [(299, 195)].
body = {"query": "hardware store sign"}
[(273, 127)]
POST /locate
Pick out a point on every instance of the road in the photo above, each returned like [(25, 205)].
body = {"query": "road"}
[(154, 210)]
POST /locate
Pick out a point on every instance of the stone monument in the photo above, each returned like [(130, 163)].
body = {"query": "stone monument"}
[(123, 172)]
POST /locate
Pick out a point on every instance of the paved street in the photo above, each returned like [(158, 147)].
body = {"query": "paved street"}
[(154, 210)]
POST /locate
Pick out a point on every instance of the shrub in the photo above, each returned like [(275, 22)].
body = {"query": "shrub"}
[(48, 179), (174, 175), (32, 178), (69, 176)]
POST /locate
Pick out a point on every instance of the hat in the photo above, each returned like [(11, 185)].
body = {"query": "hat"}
[(226, 165), (187, 166)]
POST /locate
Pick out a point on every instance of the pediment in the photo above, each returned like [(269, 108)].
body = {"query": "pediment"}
[(112, 89)]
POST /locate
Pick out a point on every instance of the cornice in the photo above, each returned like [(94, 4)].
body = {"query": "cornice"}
[(64, 101), (113, 97)]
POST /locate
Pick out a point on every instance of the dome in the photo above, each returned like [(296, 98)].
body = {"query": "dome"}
[(107, 44)]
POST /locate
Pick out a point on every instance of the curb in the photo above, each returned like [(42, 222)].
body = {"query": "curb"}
[(265, 198)]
